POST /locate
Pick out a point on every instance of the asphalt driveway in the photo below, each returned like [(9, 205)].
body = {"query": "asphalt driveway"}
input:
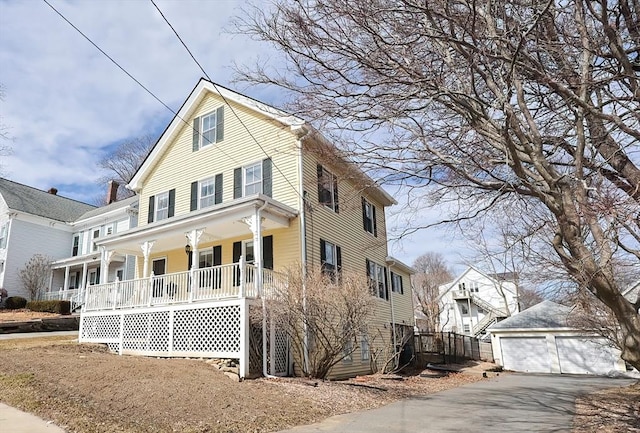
[(508, 403)]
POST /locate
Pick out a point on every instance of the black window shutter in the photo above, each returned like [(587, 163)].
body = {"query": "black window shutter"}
[(401, 284), (338, 258), (364, 215), (196, 134), (237, 183), (323, 255), (393, 282), (237, 252), (368, 268), (373, 216), (172, 203), (194, 196), (335, 194), (321, 189), (386, 283), (218, 192), (266, 177), (267, 252), (220, 124), (217, 255), (152, 201)]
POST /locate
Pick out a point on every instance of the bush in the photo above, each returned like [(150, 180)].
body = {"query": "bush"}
[(15, 302), (58, 307)]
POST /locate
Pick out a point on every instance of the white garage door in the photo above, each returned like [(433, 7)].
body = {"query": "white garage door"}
[(529, 354), (585, 356)]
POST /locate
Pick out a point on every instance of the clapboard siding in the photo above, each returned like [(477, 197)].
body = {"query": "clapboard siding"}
[(179, 166)]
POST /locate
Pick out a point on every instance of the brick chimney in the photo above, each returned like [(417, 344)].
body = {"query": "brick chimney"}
[(53, 191), (112, 191)]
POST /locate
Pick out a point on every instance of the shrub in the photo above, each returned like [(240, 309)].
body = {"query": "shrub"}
[(15, 302), (58, 307)]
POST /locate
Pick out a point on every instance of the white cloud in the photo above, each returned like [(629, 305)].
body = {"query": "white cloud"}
[(66, 102)]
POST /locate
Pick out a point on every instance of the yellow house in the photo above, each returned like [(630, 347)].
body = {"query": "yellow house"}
[(234, 192)]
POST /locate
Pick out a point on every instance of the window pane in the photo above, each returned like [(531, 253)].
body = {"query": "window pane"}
[(162, 206), (209, 129), (329, 249), (253, 179), (207, 193), (206, 259)]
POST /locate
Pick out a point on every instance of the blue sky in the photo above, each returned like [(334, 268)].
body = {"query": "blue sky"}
[(66, 104)]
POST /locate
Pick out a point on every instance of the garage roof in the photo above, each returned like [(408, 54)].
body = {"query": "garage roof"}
[(546, 314)]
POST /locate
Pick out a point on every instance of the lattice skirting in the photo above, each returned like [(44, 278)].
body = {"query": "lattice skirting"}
[(216, 330)]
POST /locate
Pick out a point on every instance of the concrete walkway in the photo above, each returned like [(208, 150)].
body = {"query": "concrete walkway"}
[(37, 334), (505, 404), (13, 420)]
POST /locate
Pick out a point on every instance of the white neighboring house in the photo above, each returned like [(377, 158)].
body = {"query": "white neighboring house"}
[(32, 221), (84, 263), (475, 300), (539, 340)]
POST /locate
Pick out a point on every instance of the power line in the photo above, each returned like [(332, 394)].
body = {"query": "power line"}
[(215, 86), (132, 77)]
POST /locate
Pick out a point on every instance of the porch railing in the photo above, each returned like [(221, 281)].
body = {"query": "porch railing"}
[(74, 296), (218, 282)]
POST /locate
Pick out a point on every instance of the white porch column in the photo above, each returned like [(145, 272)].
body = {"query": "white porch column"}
[(193, 237), (83, 284), (146, 247), (65, 286), (255, 225), (105, 260)]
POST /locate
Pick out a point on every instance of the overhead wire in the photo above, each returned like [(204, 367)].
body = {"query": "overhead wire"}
[(215, 86), (134, 78)]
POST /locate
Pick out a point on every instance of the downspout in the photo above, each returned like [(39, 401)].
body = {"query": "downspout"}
[(261, 288), (393, 319), (303, 247)]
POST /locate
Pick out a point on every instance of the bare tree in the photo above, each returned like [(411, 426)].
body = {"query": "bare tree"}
[(431, 272), (334, 312), (34, 275), (5, 137), (534, 106), (123, 163)]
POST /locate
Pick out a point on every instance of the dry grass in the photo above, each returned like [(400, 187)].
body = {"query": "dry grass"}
[(23, 315), (84, 388), (609, 411)]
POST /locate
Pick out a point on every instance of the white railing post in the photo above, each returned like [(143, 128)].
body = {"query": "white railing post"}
[(114, 297), (241, 290), (150, 291), (192, 276)]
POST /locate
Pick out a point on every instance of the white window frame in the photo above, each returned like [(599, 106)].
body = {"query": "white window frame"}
[(203, 254), (121, 272), (93, 277), (327, 183), (209, 199), (246, 185), (161, 213), (78, 247), (245, 246), (368, 210), (347, 352), (205, 135), (94, 237), (330, 251), (376, 275), (396, 283)]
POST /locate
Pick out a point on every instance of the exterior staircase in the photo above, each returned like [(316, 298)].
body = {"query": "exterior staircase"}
[(493, 314)]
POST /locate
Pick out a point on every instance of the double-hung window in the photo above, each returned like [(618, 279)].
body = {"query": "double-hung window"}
[(75, 249), (364, 347), (96, 235), (162, 206), (396, 283), (252, 179), (330, 258), (377, 279), (369, 217), (207, 192), (208, 129), (327, 188)]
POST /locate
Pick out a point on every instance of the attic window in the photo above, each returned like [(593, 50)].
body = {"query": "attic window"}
[(208, 129)]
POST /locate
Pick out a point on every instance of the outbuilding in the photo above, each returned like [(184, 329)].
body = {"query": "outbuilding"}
[(539, 340)]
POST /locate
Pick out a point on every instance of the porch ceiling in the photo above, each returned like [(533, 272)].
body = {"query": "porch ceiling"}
[(218, 222)]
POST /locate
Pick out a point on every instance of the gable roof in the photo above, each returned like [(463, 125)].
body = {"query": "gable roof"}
[(454, 284), (184, 117), (109, 208), (546, 314), (185, 114), (34, 201)]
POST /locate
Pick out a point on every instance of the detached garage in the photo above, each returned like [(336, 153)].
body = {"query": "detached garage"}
[(538, 340)]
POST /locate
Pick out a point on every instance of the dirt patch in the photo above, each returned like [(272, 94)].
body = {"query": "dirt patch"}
[(23, 315), (84, 388), (609, 411)]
